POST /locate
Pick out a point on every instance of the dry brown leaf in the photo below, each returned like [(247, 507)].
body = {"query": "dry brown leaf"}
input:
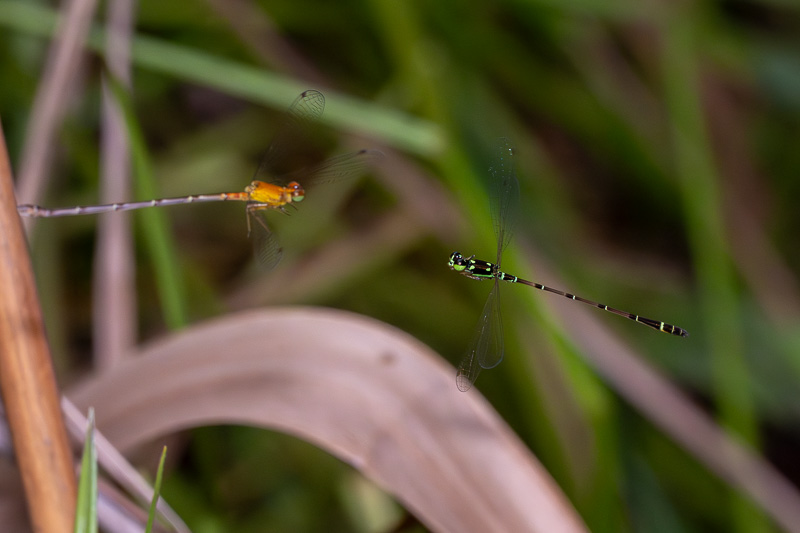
[(360, 389)]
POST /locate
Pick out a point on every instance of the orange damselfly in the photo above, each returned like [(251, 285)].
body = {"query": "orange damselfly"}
[(269, 189)]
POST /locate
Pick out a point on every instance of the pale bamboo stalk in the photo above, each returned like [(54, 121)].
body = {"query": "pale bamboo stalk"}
[(50, 102), (114, 289)]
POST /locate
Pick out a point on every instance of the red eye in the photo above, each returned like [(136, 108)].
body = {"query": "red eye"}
[(297, 191)]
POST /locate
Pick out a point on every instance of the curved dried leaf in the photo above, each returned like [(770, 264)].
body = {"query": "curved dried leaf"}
[(365, 392)]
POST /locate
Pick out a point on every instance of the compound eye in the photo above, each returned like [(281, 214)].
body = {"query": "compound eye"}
[(457, 262), (296, 190)]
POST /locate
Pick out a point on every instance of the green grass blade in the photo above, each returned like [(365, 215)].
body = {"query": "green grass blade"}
[(701, 188), (86, 511), (397, 129), (156, 491), (157, 235)]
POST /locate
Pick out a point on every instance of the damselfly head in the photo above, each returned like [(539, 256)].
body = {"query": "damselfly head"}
[(296, 191), (457, 262)]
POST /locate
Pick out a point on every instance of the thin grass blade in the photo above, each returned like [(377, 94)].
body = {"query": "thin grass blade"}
[(157, 235), (86, 511), (151, 515)]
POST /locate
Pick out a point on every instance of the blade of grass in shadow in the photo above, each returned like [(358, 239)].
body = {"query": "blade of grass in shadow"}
[(699, 183), (86, 512), (157, 235), (397, 129), (151, 515)]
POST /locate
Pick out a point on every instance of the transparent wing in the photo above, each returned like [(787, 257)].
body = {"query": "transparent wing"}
[(266, 247), (338, 168), (291, 135), (504, 195), (486, 348), (468, 371)]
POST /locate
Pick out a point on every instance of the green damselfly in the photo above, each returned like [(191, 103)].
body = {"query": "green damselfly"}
[(486, 348)]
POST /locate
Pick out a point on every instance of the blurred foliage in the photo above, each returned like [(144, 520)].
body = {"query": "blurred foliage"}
[(655, 141)]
